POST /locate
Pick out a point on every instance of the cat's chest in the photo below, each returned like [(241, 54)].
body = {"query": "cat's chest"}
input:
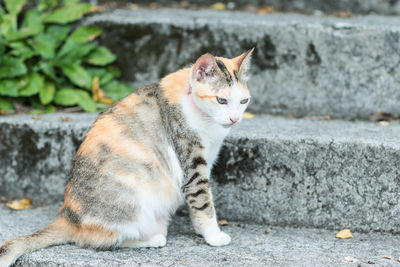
[(212, 139)]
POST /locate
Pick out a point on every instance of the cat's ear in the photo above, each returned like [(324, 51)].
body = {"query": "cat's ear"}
[(243, 64), (205, 69)]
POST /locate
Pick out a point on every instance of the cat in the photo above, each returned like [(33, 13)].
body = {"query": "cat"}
[(145, 156)]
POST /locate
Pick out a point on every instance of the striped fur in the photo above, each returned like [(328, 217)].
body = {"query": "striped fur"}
[(144, 157)]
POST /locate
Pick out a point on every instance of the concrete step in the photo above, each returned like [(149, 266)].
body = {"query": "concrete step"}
[(303, 65), (272, 170), (388, 7), (250, 246)]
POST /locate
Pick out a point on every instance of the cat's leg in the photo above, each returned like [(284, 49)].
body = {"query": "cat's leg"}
[(159, 239), (198, 196), (156, 241)]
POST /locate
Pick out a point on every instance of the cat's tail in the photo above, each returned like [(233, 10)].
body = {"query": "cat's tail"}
[(56, 233)]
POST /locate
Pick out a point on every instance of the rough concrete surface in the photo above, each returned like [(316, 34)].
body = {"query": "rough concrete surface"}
[(306, 65), (250, 246), (389, 7), (36, 154), (273, 170)]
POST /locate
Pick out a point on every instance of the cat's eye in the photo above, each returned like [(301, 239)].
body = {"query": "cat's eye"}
[(222, 101), (244, 101)]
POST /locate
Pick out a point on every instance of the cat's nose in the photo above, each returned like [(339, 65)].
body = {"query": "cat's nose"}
[(234, 120)]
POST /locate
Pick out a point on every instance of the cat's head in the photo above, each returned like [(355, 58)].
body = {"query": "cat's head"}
[(219, 87)]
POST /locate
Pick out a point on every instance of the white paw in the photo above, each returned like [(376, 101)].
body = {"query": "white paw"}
[(218, 239), (157, 241)]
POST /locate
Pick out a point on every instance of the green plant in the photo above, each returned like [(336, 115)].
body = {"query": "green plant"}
[(44, 62)]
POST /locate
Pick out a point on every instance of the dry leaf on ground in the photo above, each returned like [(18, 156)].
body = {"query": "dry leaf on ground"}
[(345, 233), (63, 118), (342, 14), (22, 204), (37, 118), (222, 222), (218, 6), (154, 5), (250, 8), (264, 10), (248, 115), (133, 6), (380, 116)]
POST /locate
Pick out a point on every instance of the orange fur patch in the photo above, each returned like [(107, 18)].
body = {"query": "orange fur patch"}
[(94, 235), (127, 105), (230, 65), (173, 86), (104, 130)]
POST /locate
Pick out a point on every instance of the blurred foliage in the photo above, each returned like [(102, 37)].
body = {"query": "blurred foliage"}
[(46, 62)]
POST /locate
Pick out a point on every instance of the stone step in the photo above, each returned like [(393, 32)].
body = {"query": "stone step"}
[(272, 170), (388, 7), (303, 65), (250, 246)]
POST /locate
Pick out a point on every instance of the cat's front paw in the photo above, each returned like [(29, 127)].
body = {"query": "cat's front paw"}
[(218, 239)]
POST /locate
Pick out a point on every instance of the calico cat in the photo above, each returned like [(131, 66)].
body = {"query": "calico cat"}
[(143, 157)]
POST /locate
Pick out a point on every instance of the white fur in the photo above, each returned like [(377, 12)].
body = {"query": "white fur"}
[(223, 113), (154, 242), (153, 208), (212, 134), (214, 236)]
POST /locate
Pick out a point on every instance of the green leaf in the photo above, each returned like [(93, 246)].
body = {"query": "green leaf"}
[(68, 13), (96, 72), (43, 45), (50, 109), (67, 97), (12, 67), (6, 103), (2, 13), (48, 69), (78, 75), (32, 25), (46, 93), (58, 33), (35, 83), (71, 97), (112, 73), (86, 102), (8, 24), (21, 50), (2, 47), (14, 6), (10, 87), (105, 74), (40, 109), (117, 90), (80, 36), (101, 56), (75, 55), (47, 4), (69, 1)]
